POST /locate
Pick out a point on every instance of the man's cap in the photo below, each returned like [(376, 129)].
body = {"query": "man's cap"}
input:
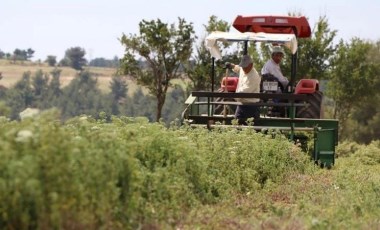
[(277, 49), (245, 61)]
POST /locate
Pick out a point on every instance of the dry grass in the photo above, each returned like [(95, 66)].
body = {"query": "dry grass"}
[(12, 72)]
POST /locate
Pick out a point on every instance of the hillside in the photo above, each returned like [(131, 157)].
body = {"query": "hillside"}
[(12, 72)]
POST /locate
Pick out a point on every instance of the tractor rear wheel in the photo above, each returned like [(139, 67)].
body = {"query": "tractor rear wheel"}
[(314, 108), (220, 109)]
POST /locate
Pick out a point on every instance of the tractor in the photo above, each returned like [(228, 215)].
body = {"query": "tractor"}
[(300, 102)]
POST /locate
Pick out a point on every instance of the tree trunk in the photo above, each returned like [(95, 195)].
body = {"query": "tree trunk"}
[(160, 104), (161, 95)]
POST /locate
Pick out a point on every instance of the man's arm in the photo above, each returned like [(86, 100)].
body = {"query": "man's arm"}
[(235, 68)]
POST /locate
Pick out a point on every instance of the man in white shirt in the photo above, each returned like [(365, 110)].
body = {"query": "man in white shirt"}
[(249, 82), (272, 66)]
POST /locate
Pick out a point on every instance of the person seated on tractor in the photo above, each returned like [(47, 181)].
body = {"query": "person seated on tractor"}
[(272, 67), (249, 82)]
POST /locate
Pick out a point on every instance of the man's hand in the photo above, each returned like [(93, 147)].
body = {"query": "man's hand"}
[(228, 65)]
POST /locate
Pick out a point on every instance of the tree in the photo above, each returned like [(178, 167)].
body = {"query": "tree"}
[(19, 55), (64, 62), (75, 57), (198, 69), (141, 105), (51, 60), (40, 84), (55, 84), (364, 121), (102, 62), (316, 53), (119, 90), (22, 55), (364, 125), (353, 78), (20, 96), (174, 105), (99, 62), (116, 62), (164, 47), (81, 96), (29, 53)]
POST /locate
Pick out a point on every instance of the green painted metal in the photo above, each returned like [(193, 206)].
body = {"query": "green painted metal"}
[(325, 131), (324, 147)]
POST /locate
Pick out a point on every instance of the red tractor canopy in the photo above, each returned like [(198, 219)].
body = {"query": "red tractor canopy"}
[(298, 26)]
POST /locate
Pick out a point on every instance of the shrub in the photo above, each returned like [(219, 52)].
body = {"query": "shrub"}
[(90, 174), (346, 148), (245, 160)]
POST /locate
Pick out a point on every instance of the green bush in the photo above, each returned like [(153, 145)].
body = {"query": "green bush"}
[(90, 174), (245, 160), (369, 154), (366, 154), (345, 149)]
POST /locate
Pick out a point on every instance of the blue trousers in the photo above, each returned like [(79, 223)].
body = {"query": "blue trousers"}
[(243, 112)]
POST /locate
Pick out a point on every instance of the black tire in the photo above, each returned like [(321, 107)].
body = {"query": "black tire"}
[(314, 108)]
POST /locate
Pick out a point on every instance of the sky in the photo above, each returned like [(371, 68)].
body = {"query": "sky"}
[(50, 27)]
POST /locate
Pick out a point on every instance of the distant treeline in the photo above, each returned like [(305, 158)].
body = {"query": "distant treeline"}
[(83, 96), (72, 55), (102, 62)]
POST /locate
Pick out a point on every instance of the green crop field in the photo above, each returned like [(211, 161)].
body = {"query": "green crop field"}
[(132, 174)]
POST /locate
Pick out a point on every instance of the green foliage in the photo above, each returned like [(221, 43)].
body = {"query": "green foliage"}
[(81, 96), (174, 105), (246, 160), (364, 123), (164, 47), (89, 174), (199, 67), (22, 55), (345, 149), (38, 91), (75, 57), (102, 62), (55, 85), (364, 154), (315, 54), (51, 60), (369, 154), (4, 109), (142, 105), (352, 80), (119, 90), (40, 87), (20, 96), (43, 91)]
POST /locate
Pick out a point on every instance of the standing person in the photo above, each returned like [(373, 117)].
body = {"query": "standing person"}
[(249, 82), (272, 66)]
